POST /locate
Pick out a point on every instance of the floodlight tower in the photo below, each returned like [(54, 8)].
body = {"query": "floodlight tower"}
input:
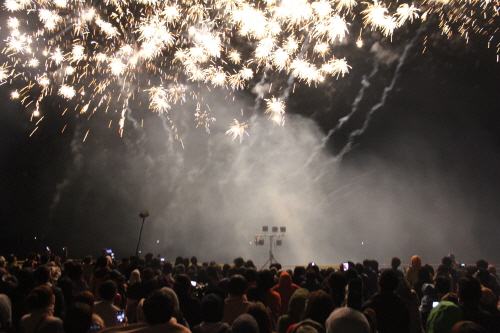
[(274, 239)]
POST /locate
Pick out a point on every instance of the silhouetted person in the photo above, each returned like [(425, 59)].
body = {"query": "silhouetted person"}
[(391, 313)]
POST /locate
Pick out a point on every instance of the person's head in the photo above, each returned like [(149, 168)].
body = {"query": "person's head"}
[(156, 264), (211, 308), (167, 268), (337, 281), (75, 271), (85, 297), (11, 258), (265, 280), (148, 274), (194, 260), (134, 261), (238, 262), (237, 285), (483, 276), (311, 275), (2, 261), (186, 262), (442, 285), (40, 298), (469, 290), (101, 262), (179, 260), (388, 281), (42, 274), (443, 317), (78, 318), (359, 268), (416, 261), (347, 320), (182, 284), (354, 293), (213, 272), (423, 274), (481, 263), (245, 323), (148, 257), (395, 262), (319, 307), (159, 307), (250, 275), (260, 313), (308, 326), (447, 261), (469, 271), (25, 279), (108, 290), (297, 304), (367, 263), (467, 327)]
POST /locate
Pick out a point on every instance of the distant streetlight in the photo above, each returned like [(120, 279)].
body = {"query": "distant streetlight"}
[(142, 215)]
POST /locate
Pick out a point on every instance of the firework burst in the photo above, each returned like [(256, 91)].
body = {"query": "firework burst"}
[(95, 52)]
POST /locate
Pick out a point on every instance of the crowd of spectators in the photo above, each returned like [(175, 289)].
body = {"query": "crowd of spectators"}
[(48, 294)]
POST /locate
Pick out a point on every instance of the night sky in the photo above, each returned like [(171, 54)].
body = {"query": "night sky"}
[(421, 175)]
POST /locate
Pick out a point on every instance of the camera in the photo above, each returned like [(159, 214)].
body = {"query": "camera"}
[(120, 316)]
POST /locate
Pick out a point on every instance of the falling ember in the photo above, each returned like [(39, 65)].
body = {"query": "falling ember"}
[(85, 138), (359, 42), (33, 131)]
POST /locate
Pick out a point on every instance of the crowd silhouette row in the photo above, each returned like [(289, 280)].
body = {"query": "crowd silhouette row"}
[(51, 294)]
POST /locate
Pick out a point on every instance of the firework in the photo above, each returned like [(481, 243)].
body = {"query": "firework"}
[(237, 130), (103, 55)]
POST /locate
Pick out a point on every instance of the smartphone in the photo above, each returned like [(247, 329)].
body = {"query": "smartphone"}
[(48, 249), (193, 283), (95, 327), (463, 265), (162, 259), (120, 316), (434, 304), (345, 266), (108, 251)]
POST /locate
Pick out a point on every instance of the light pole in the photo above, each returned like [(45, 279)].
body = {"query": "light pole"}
[(143, 215), (274, 240)]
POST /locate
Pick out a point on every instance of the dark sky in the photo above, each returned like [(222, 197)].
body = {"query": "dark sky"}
[(421, 176)]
